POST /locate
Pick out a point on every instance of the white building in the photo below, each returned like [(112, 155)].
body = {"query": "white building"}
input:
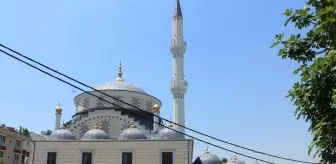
[(102, 133)]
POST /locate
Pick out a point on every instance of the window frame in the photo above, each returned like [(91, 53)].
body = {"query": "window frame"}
[(3, 153), (168, 150), (52, 151), (127, 151), (3, 140), (86, 151)]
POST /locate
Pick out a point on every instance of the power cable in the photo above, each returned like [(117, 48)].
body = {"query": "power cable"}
[(255, 151), (88, 92)]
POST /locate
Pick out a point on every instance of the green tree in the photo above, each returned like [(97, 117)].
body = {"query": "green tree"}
[(313, 48), (2, 161)]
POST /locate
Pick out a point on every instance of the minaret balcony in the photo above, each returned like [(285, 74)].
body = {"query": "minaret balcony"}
[(178, 47), (178, 86)]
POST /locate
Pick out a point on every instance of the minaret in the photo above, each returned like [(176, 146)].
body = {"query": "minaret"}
[(178, 86), (58, 116)]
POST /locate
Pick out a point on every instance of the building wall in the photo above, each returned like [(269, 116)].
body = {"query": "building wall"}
[(112, 122), (11, 137), (109, 151)]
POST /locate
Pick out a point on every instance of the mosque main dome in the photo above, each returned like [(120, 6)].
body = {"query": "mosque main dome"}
[(121, 91), (120, 84)]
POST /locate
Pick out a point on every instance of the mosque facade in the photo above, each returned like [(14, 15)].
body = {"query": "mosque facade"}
[(105, 133)]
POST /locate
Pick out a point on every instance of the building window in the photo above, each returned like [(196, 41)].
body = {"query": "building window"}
[(16, 158), (18, 145), (167, 158), (1, 154), (127, 158), (87, 158), (2, 140), (51, 158)]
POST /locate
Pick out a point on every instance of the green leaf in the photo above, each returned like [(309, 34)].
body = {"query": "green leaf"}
[(314, 95), (288, 12)]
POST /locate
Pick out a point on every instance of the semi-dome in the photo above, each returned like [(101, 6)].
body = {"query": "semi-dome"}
[(120, 84), (169, 134), (95, 134), (132, 133), (62, 134), (208, 158)]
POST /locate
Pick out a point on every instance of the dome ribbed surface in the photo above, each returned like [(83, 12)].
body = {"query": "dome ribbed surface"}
[(132, 133), (62, 134), (169, 134), (95, 134), (208, 158), (121, 85)]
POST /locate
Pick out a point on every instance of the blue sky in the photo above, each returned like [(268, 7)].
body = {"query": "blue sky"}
[(237, 84)]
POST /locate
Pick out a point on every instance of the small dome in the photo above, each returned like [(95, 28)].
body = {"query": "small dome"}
[(240, 162), (208, 158), (132, 133), (95, 134), (169, 134), (61, 134)]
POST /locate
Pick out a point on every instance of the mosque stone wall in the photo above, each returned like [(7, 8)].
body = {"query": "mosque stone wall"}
[(112, 122), (143, 101), (109, 151)]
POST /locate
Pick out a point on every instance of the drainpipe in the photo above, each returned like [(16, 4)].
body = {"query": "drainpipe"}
[(188, 152), (33, 159)]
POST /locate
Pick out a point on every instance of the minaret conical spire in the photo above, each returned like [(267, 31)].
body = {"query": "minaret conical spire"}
[(178, 11)]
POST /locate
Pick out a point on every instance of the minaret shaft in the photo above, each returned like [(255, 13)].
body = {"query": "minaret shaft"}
[(58, 120), (178, 85)]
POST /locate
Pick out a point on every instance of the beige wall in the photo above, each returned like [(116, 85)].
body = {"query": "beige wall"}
[(11, 138), (109, 151)]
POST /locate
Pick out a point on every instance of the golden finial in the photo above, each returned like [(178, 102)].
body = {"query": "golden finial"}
[(120, 73), (156, 108), (170, 124), (235, 158), (59, 109), (132, 125), (207, 150), (63, 125), (97, 125)]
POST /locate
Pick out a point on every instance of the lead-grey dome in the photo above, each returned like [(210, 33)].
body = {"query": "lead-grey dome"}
[(95, 134), (132, 133), (169, 134), (208, 158), (120, 84), (240, 162), (61, 134)]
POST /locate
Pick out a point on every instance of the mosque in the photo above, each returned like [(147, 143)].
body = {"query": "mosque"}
[(102, 133)]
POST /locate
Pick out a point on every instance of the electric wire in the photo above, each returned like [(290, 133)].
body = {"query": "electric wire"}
[(53, 70), (88, 92)]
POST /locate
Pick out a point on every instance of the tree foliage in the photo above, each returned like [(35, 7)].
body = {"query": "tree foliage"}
[(2, 161), (314, 95)]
